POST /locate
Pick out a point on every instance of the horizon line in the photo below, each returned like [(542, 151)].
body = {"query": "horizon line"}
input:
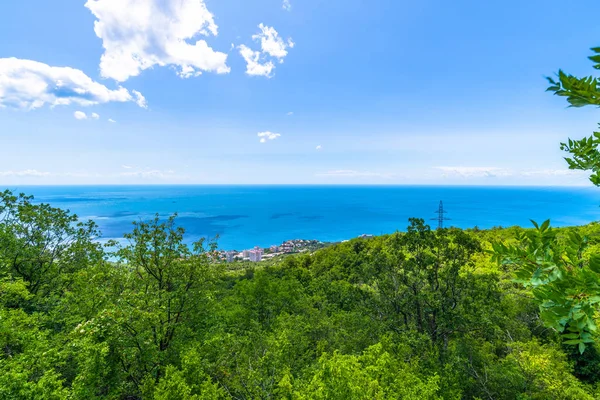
[(588, 185)]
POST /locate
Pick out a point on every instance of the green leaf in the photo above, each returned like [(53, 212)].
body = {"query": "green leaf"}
[(595, 263), (572, 342), (571, 336), (545, 225), (594, 299), (595, 58)]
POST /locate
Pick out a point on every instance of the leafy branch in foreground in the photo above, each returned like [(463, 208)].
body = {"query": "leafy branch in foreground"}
[(586, 156), (565, 284), (581, 92)]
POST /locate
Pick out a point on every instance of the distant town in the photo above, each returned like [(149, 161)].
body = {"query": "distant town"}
[(258, 254)]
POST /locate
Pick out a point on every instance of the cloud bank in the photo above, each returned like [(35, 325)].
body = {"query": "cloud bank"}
[(25, 173), (348, 173), (496, 172)]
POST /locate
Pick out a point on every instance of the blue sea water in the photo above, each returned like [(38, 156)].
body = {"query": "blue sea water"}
[(247, 216)]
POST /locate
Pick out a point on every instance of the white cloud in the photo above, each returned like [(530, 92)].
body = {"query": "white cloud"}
[(79, 115), (271, 43), (139, 34), (475, 172), (132, 173), (254, 67), (287, 6), (348, 173), (140, 100), (290, 113), (149, 174), (272, 47), (25, 173), (264, 136), (319, 147), (30, 84), (111, 120), (497, 172), (76, 175), (553, 172)]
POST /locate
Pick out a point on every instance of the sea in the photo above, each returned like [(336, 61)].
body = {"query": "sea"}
[(247, 216)]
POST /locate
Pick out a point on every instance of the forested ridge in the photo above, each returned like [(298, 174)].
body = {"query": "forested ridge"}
[(424, 314)]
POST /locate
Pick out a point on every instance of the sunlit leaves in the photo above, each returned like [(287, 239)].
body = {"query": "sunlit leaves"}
[(585, 155), (581, 92), (578, 91), (565, 284)]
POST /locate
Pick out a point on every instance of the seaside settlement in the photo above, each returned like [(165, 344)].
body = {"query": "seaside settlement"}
[(258, 254)]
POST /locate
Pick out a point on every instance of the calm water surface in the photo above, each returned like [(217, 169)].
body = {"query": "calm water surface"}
[(246, 216)]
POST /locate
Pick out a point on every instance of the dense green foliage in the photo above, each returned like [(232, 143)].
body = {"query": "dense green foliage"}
[(418, 315), (564, 275)]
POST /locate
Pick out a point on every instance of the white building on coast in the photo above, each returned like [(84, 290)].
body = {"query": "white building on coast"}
[(255, 255)]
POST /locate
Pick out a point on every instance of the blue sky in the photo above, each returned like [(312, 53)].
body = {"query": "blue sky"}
[(344, 92)]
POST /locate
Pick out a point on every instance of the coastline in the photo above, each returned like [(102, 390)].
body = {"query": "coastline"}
[(246, 216)]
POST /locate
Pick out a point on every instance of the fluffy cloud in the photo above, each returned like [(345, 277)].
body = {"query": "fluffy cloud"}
[(319, 147), (271, 43), (25, 173), (290, 113), (287, 6), (30, 84), (79, 115), (254, 66), (140, 100), (139, 34), (111, 120), (264, 136), (272, 48)]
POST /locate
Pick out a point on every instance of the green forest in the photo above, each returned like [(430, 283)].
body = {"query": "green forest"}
[(505, 313), (425, 314)]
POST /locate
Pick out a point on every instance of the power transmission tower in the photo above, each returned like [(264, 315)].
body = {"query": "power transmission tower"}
[(441, 218)]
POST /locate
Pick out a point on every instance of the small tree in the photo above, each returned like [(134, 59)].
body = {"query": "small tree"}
[(43, 245), (425, 283), (164, 285)]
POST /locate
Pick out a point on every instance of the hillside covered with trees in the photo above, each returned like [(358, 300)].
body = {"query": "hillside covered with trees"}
[(425, 314)]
